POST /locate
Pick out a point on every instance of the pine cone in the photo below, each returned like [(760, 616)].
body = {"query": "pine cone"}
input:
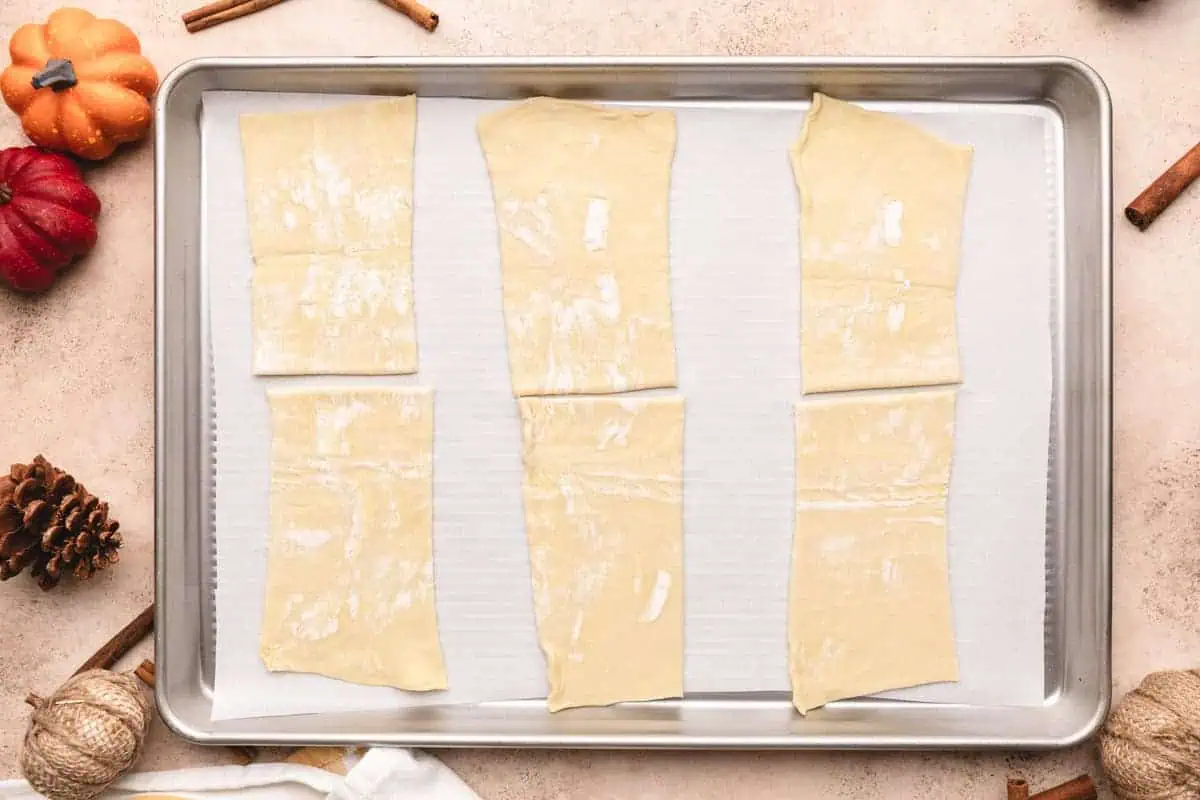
[(51, 524)]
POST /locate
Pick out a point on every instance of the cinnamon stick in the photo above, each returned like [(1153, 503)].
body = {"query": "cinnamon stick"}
[(1081, 788), (224, 11), (418, 13), (1018, 789), (114, 649), (122, 643), (145, 673), (1160, 194), (212, 8)]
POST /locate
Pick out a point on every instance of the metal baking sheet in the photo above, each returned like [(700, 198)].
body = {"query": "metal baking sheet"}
[(1064, 89)]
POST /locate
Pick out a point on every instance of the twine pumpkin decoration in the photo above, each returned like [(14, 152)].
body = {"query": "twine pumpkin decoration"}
[(1150, 746), (85, 735)]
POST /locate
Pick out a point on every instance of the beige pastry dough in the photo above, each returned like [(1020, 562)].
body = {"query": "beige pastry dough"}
[(329, 198), (604, 519), (870, 597), (881, 211), (350, 569), (581, 201)]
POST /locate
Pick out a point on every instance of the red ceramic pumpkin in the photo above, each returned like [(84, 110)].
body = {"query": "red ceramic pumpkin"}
[(47, 216)]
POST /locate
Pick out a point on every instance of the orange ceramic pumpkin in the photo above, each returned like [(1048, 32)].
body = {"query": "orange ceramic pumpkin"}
[(79, 83)]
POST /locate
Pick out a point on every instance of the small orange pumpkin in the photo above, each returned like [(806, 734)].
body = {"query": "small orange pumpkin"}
[(79, 83)]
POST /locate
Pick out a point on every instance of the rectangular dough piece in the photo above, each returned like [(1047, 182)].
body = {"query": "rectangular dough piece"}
[(604, 519), (870, 594), (329, 197), (581, 196), (350, 589), (881, 213)]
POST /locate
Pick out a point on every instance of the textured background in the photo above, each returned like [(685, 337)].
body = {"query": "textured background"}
[(76, 365)]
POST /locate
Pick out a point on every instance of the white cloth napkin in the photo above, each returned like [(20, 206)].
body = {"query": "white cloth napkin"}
[(382, 774)]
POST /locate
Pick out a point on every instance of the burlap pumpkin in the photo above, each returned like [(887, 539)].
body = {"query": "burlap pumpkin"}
[(85, 735)]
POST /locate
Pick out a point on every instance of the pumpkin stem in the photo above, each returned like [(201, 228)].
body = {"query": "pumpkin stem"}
[(34, 700), (5, 194), (59, 74)]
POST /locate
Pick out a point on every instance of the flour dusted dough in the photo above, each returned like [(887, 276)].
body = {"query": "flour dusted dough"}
[(330, 209), (870, 596), (350, 568), (581, 201), (881, 210), (604, 518)]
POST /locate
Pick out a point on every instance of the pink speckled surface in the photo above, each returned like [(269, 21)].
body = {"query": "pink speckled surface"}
[(77, 372)]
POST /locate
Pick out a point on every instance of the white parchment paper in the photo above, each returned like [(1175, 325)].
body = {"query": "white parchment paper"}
[(735, 295)]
